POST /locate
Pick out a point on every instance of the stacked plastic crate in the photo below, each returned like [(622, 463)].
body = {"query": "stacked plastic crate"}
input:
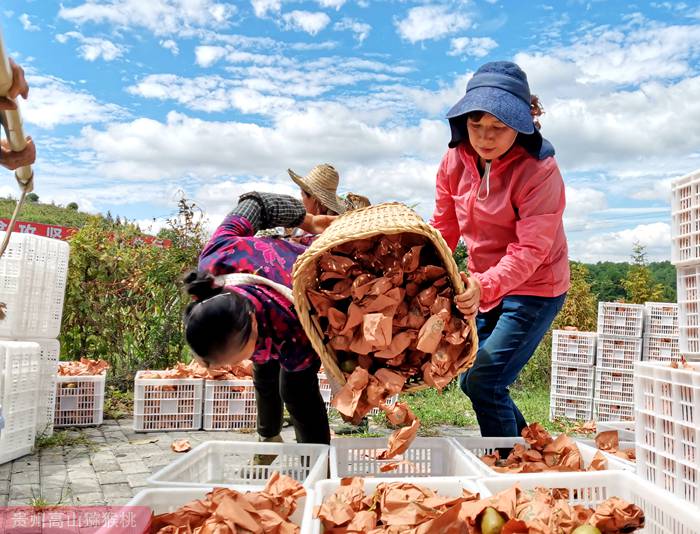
[(685, 255), (573, 373), (668, 427), (33, 273), (661, 332), (620, 328)]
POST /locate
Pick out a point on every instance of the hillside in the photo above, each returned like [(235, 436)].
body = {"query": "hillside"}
[(44, 213)]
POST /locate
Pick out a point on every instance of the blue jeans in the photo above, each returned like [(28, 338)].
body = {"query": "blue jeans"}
[(508, 337)]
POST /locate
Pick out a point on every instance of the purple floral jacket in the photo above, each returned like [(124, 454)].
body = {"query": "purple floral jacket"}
[(234, 249)]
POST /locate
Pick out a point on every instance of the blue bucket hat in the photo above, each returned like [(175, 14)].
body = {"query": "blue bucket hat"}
[(501, 89)]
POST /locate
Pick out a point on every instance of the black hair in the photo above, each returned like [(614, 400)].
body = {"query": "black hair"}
[(212, 326)]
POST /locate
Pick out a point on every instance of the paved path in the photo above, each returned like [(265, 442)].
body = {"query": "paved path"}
[(109, 471)]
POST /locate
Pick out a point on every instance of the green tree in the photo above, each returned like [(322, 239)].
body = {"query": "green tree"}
[(124, 300), (72, 206), (460, 255), (32, 197), (638, 284)]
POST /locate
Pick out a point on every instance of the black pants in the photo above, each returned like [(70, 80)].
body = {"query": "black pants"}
[(300, 393)]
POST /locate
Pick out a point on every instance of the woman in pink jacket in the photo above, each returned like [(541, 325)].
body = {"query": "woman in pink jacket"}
[(499, 189)]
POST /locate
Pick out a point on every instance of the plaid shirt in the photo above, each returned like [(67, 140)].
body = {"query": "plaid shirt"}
[(234, 249)]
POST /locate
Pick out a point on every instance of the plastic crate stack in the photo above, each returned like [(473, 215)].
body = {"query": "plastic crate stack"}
[(573, 374), (620, 328), (33, 272), (661, 334), (685, 255), (668, 428)]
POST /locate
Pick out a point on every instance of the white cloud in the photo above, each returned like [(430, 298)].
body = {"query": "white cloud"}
[(641, 51), (162, 17), (432, 22), (263, 7), (360, 29), (171, 45), (615, 108), (581, 204), (54, 101), (93, 48), (206, 56), (260, 83), (153, 225), (307, 21), (331, 4), (471, 46), (617, 246), (27, 23)]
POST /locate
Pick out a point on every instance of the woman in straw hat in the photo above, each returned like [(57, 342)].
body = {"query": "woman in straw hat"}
[(319, 190), (500, 190), (242, 309)]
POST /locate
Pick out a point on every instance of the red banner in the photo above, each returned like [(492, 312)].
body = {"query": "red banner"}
[(65, 232)]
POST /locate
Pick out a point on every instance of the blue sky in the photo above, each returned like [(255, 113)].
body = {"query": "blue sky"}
[(134, 102)]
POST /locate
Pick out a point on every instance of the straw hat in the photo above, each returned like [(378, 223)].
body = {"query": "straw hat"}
[(322, 184), (354, 201)]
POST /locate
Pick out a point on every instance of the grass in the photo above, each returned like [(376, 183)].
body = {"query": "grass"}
[(63, 438), (453, 408), (118, 404)]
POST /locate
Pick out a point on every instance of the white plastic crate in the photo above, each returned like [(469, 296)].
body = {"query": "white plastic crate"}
[(620, 319), (688, 291), (625, 429), (685, 219), (670, 393), (618, 353), (163, 404), (229, 405), (325, 387), (230, 464), (568, 408), (667, 405), (443, 486), (622, 445), (667, 472), (573, 347), (612, 411), (614, 386), (19, 386), (572, 381), (167, 500), (664, 514), (327, 394), (476, 447), (50, 351), (661, 319), (33, 273), (79, 400), (426, 457), (661, 349)]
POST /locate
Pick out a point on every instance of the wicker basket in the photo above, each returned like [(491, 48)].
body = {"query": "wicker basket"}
[(382, 219)]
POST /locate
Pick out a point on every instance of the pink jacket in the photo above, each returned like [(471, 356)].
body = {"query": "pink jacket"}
[(515, 237)]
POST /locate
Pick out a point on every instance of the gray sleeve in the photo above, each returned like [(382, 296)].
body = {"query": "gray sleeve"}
[(276, 210), (251, 210)]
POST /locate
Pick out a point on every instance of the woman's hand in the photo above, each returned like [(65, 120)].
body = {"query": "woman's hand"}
[(19, 87), (316, 224), (468, 302), (14, 160)]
